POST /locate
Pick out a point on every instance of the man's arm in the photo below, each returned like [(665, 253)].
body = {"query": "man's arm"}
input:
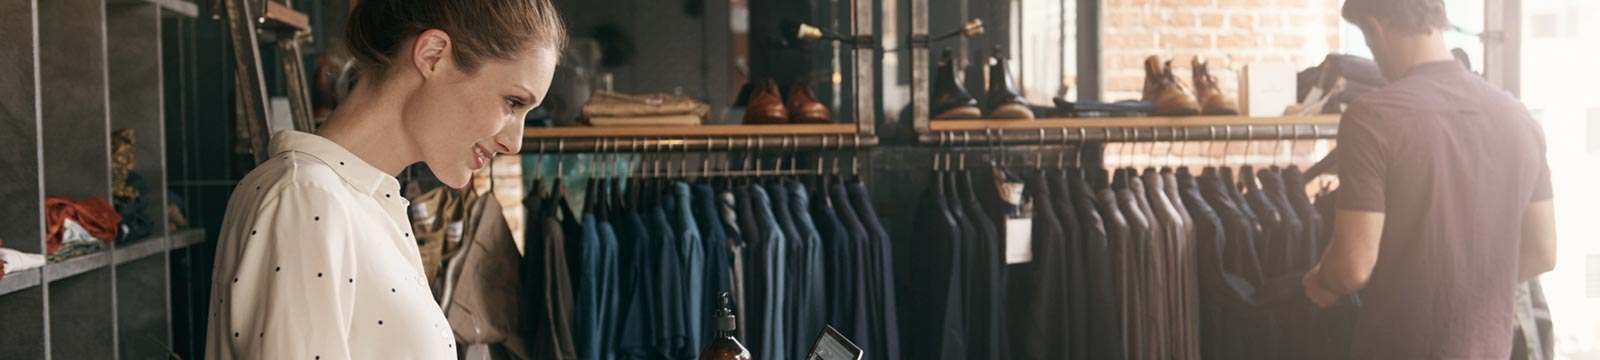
[(1538, 249), (1348, 263)]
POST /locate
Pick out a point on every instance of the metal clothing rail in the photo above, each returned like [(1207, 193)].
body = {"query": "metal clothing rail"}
[(1129, 134), (697, 143)]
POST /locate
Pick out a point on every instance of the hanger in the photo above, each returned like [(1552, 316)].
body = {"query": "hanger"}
[(1187, 142), (557, 186), (589, 192), (815, 179), (1294, 142), (794, 160), (634, 173), (855, 160), (602, 186), (705, 161), (683, 161), (1328, 165), (536, 188), (1038, 156)]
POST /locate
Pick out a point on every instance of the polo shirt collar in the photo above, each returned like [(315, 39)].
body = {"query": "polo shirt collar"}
[(1435, 68), (356, 172)]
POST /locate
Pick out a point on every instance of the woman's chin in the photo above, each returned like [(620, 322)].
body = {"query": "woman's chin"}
[(457, 177)]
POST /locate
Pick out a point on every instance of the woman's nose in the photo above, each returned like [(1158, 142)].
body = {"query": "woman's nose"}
[(509, 140)]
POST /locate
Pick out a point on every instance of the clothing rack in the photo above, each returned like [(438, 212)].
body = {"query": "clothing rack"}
[(561, 145), (1080, 130)]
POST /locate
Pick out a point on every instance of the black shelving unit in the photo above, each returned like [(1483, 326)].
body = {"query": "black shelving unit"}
[(75, 71)]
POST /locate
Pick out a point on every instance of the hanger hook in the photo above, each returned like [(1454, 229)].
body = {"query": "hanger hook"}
[(988, 142), (1253, 147), (1211, 145), (1001, 144), (855, 158), (1130, 148), (1061, 157), (1038, 158), (1295, 143), (1083, 141)]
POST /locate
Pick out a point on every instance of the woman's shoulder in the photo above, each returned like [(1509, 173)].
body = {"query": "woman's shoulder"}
[(289, 173)]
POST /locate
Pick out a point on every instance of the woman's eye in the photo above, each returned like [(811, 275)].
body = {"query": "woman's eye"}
[(513, 103)]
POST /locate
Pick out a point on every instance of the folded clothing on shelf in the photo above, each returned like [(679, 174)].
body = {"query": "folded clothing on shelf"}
[(18, 261), (94, 217), (1096, 109), (135, 225), (75, 249), (610, 109)]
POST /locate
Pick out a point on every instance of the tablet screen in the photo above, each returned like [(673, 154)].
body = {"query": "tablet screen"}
[(833, 346)]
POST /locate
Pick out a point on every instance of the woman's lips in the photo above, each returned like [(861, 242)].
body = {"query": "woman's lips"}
[(480, 157)]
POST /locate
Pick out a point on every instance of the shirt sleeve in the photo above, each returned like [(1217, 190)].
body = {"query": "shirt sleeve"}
[(294, 296), (1541, 186), (1363, 156)]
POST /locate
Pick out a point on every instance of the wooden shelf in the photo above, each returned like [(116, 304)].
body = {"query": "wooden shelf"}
[(280, 15), (687, 131), (1144, 122), (179, 7), (19, 280)]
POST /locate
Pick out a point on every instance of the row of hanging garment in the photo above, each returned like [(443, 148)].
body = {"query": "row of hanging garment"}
[(1119, 264), (633, 268), (470, 260)]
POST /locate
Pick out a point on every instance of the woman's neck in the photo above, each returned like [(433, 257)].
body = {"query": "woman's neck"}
[(368, 125)]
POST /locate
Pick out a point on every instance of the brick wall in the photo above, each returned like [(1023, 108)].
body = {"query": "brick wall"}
[(1229, 33)]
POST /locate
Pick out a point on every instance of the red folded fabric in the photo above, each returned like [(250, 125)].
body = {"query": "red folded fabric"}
[(95, 215)]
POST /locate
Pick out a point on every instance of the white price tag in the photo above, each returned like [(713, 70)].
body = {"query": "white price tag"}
[(1019, 241), (419, 211), (452, 232)]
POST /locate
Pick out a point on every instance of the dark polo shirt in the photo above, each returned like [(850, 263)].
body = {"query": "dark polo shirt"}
[(1452, 161)]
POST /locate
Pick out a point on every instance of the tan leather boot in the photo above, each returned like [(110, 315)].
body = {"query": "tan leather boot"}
[(1162, 89), (804, 107), (1212, 100), (765, 105)]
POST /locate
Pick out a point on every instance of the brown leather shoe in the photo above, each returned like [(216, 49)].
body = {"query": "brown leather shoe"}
[(950, 101), (765, 105), (1004, 102), (804, 107), (1162, 89), (1212, 100)]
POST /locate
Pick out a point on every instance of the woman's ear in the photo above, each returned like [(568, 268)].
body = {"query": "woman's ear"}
[(431, 53)]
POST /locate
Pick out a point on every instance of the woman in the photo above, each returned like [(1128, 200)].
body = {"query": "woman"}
[(316, 259)]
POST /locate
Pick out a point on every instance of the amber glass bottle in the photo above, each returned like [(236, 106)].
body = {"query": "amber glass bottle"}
[(726, 346)]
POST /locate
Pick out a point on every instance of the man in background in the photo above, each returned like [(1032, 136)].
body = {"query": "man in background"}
[(1444, 204)]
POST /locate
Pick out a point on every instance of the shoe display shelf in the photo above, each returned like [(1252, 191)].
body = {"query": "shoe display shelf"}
[(1069, 130), (76, 70), (1186, 128), (858, 131)]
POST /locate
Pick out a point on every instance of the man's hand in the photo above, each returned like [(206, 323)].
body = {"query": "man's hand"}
[(1323, 297)]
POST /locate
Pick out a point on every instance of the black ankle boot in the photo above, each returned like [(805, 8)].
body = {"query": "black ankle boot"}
[(1003, 101), (950, 101)]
